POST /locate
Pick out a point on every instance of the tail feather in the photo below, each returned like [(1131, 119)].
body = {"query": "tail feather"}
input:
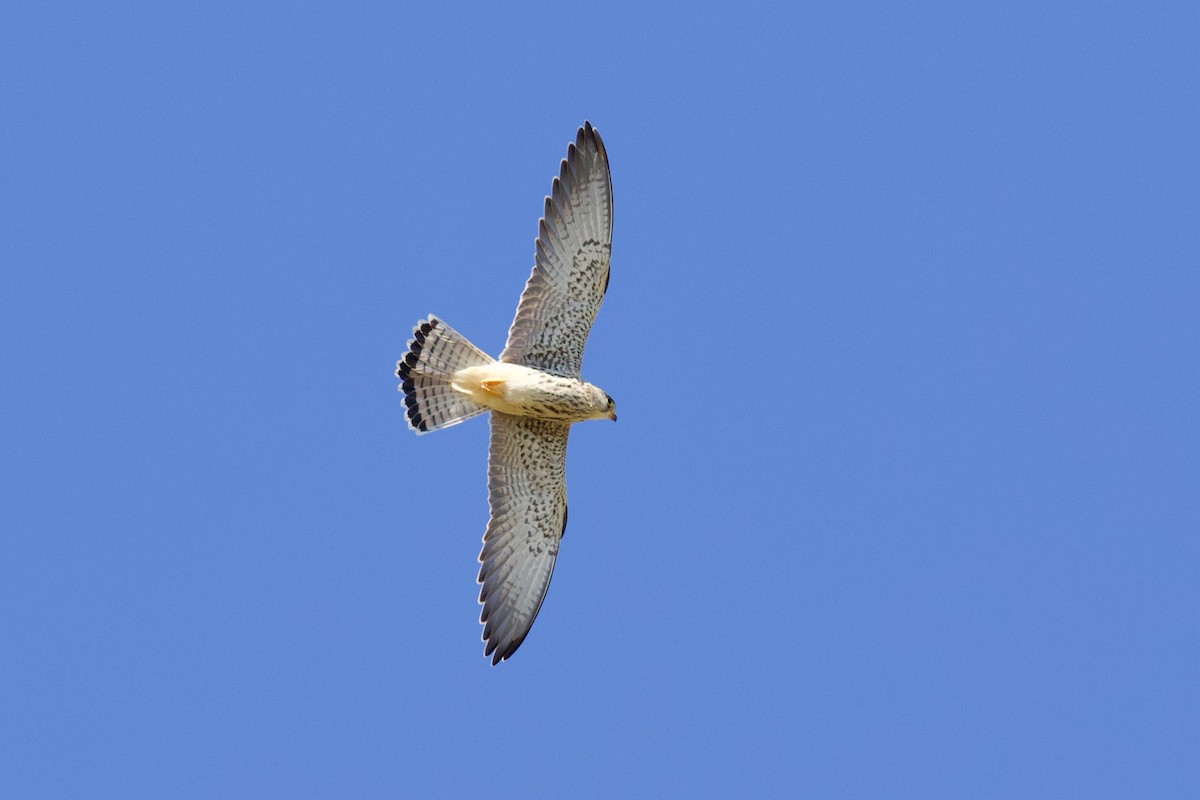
[(435, 353)]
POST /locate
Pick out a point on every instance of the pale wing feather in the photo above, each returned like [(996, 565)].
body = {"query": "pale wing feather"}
[(570, 271), (528, 498)]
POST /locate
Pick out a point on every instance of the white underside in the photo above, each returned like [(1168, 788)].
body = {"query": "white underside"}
[(515, 389)]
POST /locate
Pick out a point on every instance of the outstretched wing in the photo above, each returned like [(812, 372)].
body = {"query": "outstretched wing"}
[(528, 496), (570, 270)]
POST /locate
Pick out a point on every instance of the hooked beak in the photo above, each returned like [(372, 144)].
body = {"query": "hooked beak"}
[(613, 416)]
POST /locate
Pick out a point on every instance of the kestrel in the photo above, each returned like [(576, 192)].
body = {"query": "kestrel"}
[(533, 391)]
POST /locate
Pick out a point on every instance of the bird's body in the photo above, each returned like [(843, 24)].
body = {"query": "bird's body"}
[(527, 392), (534, 392)]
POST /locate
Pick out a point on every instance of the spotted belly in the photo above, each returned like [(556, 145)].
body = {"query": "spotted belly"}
[(526, 392)]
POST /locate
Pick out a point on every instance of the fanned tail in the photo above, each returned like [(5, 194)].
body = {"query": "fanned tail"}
[(435, 353)]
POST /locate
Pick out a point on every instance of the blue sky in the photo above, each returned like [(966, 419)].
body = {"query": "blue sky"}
[(902, 330)]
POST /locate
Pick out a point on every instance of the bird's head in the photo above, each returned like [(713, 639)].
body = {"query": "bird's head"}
[(612, 408), (603, 406)]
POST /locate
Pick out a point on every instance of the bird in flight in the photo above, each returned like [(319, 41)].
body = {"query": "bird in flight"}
[(534, 392)]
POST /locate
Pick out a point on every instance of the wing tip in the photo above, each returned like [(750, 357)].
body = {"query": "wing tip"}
[(590, 133), (499, 653)]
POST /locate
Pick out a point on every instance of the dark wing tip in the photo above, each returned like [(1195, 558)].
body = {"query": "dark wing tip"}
[(588, 133), (505, 652)]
